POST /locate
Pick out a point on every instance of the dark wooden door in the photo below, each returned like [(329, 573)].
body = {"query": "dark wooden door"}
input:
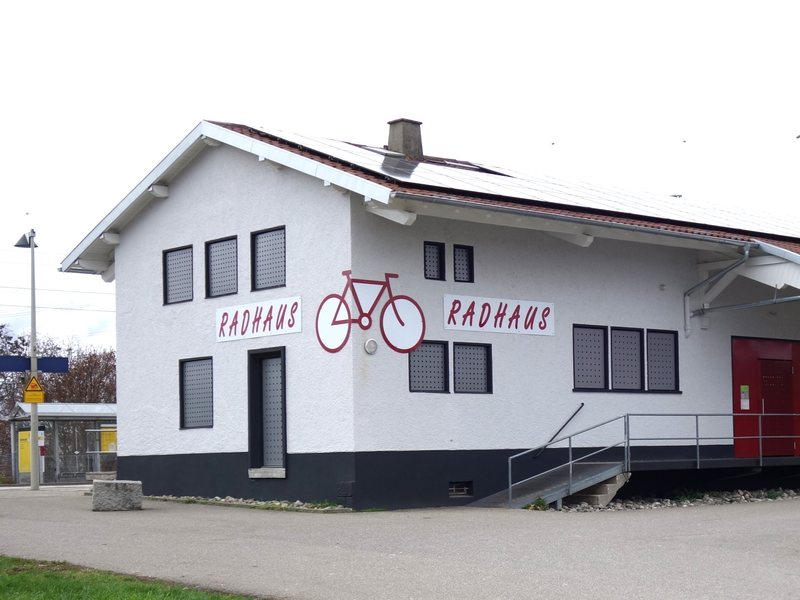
[(776, 394)]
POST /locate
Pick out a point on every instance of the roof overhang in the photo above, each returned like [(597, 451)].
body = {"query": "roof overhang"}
[(95, 253), (774, 250), (66, 411), (578, 230)]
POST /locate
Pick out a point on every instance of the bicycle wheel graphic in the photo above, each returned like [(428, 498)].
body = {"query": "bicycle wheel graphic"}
[(405, 334), (333, 323)]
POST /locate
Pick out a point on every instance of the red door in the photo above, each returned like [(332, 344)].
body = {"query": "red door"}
[(776, 394), (763, 385)]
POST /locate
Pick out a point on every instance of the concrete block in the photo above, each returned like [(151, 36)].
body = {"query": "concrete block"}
[(92, 475), (601, 493), (116, 495)]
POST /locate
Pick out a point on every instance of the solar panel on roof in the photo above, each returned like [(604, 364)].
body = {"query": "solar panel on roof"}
[(513, 185)]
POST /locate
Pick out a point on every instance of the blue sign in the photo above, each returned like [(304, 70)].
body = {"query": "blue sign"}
[(46, 364)]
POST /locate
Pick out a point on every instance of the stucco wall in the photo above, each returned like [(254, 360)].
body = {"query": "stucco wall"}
[(226, 192), (352, 401), (609, 283)]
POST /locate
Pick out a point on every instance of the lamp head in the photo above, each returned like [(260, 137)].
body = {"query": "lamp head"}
[(25, 241)]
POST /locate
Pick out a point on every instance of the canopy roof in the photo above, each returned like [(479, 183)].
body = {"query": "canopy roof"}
[(68, 411)]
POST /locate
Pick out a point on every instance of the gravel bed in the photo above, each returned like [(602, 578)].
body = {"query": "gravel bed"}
[(686, 500), (297, 506), (635, 503)]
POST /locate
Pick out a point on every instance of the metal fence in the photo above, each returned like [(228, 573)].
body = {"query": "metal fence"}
[(6, 469), (70, 468)]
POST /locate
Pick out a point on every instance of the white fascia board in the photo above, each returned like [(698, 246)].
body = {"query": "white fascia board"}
[(215, 132), (596, 226), (779, 252), (109, 221), (299, 163)]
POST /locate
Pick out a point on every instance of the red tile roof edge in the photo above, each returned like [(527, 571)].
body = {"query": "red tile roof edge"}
[(534, 208)]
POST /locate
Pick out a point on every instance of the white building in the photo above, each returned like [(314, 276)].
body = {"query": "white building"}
[(240, 371)]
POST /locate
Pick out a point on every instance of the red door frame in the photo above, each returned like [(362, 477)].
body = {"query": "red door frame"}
[(747, 356)]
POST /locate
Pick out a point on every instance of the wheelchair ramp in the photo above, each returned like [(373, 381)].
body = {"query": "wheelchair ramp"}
[(554, 485)]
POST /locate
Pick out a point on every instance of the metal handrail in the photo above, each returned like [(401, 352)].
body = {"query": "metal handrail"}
[(628, 438), (698, 438), (570, 462), (566, 437), (560, 429), (713, 437), (730, 414)]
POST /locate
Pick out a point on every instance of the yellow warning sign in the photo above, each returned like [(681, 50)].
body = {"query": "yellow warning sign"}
[(33, 391)]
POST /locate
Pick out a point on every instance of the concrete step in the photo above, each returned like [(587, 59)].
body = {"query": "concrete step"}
[(599, 494), (612, 484)]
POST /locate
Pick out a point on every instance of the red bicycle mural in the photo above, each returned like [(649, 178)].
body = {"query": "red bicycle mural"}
[(402, 321)]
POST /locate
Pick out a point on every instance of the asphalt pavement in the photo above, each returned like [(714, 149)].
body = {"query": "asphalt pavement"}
[(705, 552)]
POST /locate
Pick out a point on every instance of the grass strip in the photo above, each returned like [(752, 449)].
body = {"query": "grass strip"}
[(45, 580)]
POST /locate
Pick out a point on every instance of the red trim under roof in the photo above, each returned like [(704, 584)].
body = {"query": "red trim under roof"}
[(544, 209)]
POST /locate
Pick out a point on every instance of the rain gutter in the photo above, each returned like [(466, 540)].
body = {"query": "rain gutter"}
[(779, 252), (568, 219)]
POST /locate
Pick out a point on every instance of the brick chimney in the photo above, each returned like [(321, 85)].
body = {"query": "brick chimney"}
[(405, 138)]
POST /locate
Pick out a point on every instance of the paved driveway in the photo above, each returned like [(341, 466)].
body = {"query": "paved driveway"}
[(738, 551)]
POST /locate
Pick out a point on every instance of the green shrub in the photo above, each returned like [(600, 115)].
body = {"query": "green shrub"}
[(684, 495), (538, 504), (322, 504)]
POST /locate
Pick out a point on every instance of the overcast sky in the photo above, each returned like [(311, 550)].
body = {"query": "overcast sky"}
[(700, 99)]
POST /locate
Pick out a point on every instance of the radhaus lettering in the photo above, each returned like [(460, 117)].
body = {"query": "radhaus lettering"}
[(257, 320), (266, 327), (496, 315), (267, 323), (274, 317)]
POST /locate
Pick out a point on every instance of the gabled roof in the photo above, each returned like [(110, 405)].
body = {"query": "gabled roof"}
[(387, 179)]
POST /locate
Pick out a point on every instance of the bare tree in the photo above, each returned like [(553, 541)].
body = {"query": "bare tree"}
[(92, 377)]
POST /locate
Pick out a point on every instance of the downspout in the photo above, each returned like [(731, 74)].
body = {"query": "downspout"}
[(687, 313)]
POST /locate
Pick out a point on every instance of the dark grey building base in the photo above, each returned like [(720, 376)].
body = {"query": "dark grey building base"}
[(308, 476), (358, 480), (393, 480)]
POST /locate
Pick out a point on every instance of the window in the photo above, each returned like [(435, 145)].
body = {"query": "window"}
[(268, 258), (427, 368), (662, 360), (221, 262), (434, 260), (463, 267), (627, 359), (472, 368), (589, 357), (177, 268), (591, 348), (197, 393)]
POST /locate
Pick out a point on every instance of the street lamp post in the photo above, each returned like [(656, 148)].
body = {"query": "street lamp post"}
[(25, 241)]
